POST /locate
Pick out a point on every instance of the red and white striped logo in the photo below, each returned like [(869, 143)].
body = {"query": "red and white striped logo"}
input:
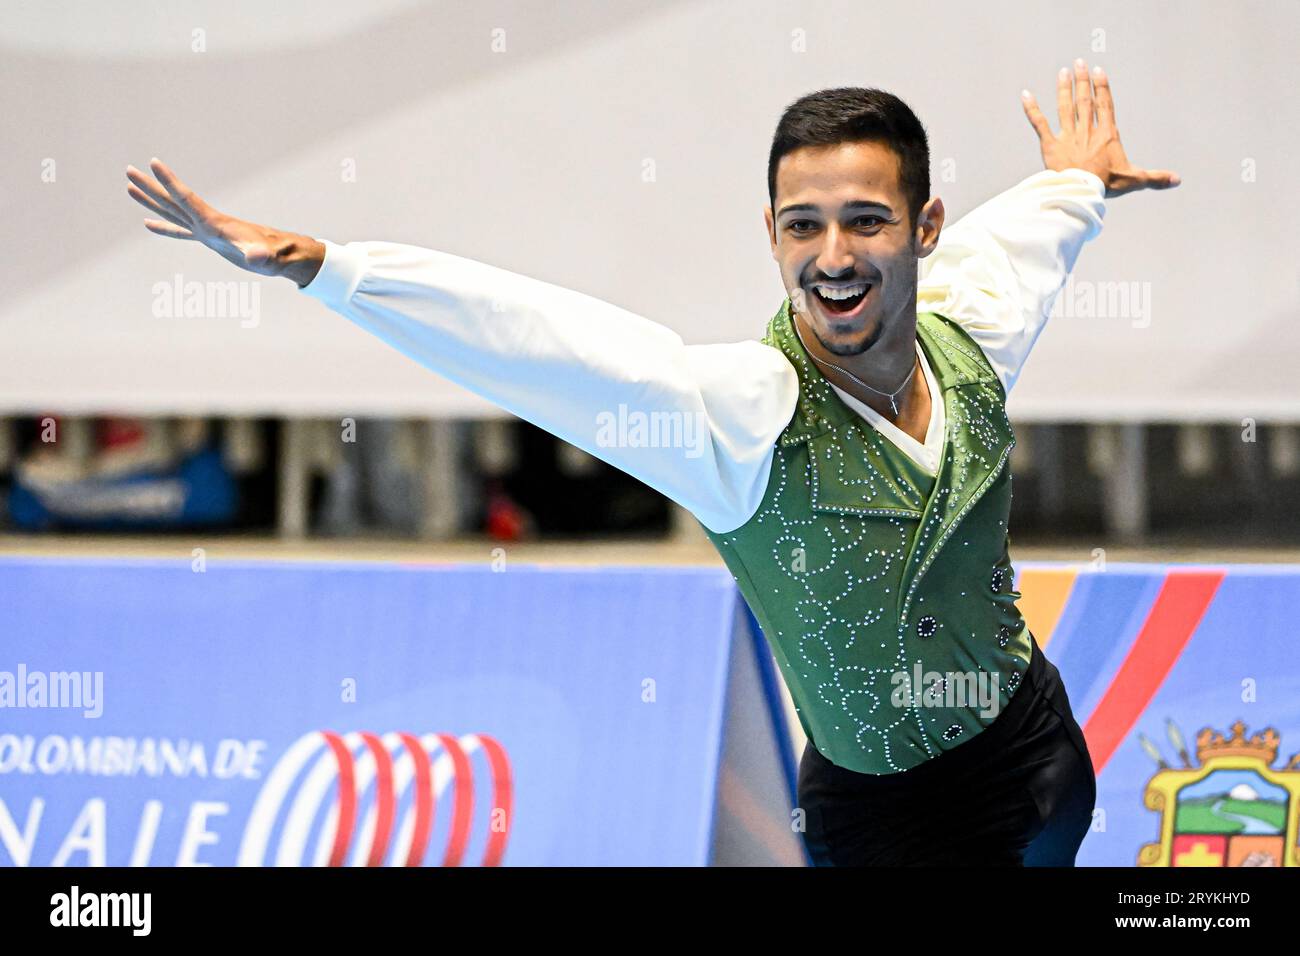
[(365, 770)]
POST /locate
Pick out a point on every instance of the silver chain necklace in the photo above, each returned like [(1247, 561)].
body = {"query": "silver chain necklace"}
[(889, 395)]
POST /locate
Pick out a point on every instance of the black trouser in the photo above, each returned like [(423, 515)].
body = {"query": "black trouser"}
[(1019, 793)]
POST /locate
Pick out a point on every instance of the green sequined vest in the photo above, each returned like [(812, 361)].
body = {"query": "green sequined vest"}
[(859, 566)]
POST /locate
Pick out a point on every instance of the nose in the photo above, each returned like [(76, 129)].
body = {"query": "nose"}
[(835, 256)]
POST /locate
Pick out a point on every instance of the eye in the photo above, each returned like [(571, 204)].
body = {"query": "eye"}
[(794, 226), (877, 219)]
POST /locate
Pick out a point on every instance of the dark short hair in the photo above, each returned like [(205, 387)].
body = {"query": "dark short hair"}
[(856, 114)]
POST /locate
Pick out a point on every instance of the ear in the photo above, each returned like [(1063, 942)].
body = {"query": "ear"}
[(928, 226), (771, 229)]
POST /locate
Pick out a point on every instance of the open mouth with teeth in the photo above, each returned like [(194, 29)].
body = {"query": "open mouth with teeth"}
[(842, 302)]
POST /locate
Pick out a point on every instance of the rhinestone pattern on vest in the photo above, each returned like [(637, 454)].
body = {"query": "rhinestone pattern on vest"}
[(859, 566)]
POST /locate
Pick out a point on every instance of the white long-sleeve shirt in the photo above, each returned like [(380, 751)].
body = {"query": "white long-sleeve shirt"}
[(584, 369)]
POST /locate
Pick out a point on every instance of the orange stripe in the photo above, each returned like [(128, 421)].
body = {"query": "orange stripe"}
[(1044, 592)]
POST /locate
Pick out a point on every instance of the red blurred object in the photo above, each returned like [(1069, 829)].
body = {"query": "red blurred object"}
[(115, 432), (505, 520)]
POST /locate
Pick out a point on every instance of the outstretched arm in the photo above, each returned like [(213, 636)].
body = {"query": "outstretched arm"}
[(697, 423), (998, 269)]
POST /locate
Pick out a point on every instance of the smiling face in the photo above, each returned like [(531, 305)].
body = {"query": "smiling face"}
[(846, 247)]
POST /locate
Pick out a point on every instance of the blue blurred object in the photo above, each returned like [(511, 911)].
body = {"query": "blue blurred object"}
[(197, 490)]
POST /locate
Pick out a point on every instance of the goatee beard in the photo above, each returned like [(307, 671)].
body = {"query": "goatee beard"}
[(849, 350)]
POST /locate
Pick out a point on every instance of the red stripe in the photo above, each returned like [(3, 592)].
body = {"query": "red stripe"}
[(425, 801), (384, 802), (1174, 616), (502, 798), (462, 813), (347, 816)]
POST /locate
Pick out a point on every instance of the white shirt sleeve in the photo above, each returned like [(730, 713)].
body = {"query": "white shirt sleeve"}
[(998, 269), (697, 423)]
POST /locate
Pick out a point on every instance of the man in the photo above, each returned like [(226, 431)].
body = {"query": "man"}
[(851, 472)]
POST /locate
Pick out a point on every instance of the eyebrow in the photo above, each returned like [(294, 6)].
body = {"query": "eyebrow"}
[(852, 205)]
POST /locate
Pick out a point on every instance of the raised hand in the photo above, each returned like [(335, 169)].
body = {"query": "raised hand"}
[(1089, 141), (254, 248)]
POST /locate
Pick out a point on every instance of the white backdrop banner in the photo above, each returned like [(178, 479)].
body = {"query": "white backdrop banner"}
[(619, 149)]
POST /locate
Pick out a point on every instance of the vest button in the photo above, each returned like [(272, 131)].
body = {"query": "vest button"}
[(999, 575), (926, 626), (952, 732)]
